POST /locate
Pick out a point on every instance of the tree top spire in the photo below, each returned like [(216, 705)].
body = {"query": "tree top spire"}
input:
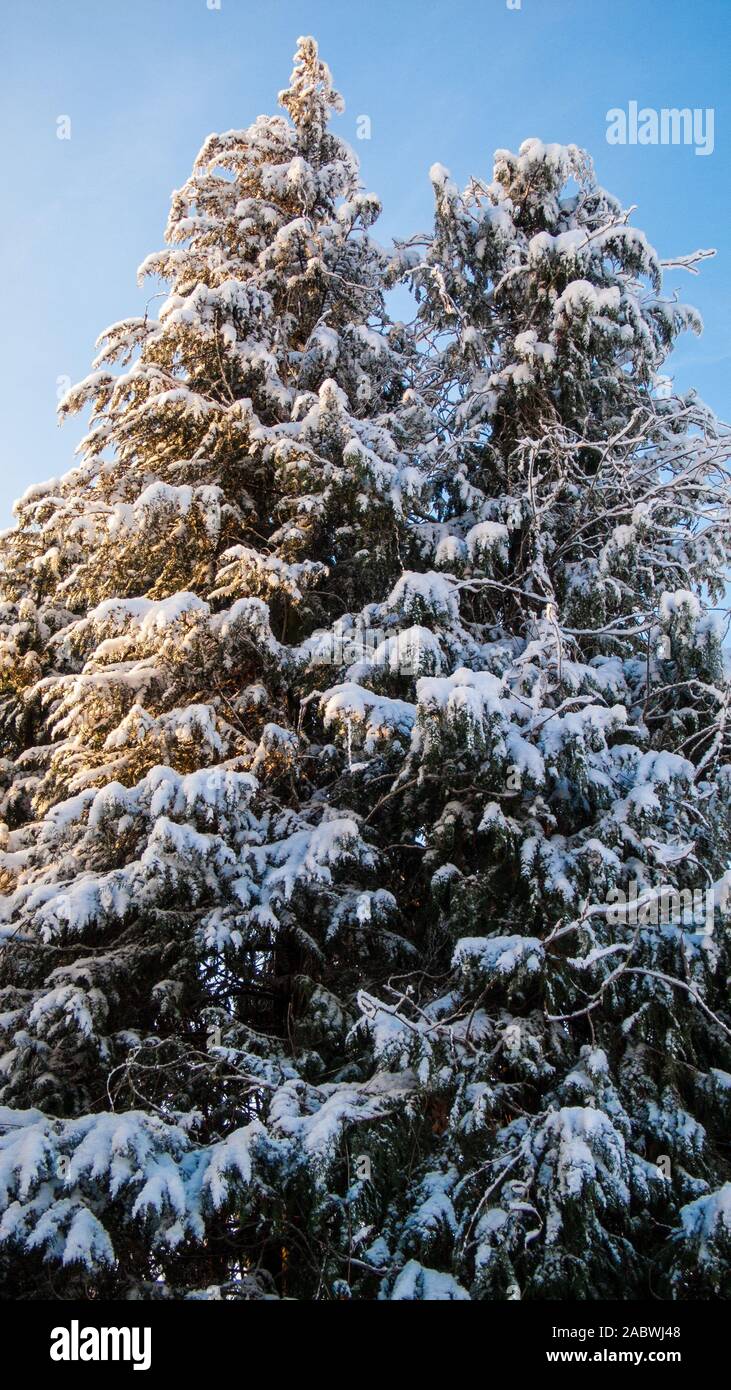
[(311, 95)]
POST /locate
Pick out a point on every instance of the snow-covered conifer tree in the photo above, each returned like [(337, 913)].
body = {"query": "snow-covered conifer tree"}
[(186, 906), (569, 769), (353, 684)]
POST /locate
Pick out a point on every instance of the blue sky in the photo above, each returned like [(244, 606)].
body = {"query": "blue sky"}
[(144, 81)]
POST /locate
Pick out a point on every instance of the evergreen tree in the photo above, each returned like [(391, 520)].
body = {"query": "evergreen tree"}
[(186, 905), (569, 767), (352, 684)]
